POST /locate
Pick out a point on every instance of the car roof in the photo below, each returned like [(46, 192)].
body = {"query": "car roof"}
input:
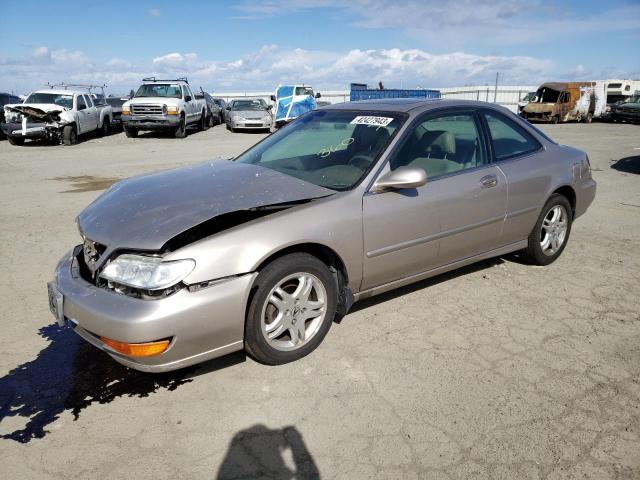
[(62, 91), (407, 105)]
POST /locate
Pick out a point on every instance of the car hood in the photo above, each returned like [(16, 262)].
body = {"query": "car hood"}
[(629, 106), (145, 212), (250, 113), (154, 100), (539, 107), (42, 111)]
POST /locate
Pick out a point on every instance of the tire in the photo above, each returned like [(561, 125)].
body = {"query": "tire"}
[(212, 121), (535, 253), (181, 130), (15, 140), (555, 120), (286, 346), (69, 135), (204, 122), (588, 118), (104, 130), (130, 132)]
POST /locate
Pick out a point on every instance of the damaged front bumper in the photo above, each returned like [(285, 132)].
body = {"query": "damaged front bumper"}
[(30, 130), (150, 122), (201, 324)]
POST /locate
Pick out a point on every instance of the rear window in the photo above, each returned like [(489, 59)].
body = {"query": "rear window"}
[(509, 140)]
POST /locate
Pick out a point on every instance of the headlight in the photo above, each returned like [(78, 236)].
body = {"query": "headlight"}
[(126, 109), (148, 273), (171, 110)]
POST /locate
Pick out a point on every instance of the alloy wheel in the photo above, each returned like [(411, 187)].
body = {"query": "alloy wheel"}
[(554, 230), (294, 311)]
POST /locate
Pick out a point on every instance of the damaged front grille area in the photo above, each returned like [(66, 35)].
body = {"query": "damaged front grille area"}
[(87, 274)]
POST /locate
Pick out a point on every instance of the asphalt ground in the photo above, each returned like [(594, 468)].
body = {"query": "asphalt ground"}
[(499, 370)]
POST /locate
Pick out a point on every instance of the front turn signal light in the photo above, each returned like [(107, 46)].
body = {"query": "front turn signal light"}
[(148, 349)]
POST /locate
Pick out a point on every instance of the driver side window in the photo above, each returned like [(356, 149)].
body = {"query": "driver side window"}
[(80, 103), (442, 145)]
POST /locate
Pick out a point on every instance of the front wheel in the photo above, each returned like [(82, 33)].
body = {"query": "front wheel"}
[(291, 310), (69, 135), (15, 140), (181, 131), (130, 132), (551, 232)]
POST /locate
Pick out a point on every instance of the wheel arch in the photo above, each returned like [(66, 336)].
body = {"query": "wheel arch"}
[(570, 194), (324, 253), (329, 257)]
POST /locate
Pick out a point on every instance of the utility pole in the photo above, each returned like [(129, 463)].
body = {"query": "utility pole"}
[(495, 92)]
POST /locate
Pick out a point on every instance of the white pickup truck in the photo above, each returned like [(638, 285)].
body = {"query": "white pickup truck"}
[(59, 114), (164, 105)]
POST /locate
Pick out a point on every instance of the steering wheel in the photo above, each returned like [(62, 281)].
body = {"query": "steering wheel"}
[(360, 161)]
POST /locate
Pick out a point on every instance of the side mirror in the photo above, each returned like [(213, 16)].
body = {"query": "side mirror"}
[(402, 177), (318, 95), (187, 98), (273, 98)]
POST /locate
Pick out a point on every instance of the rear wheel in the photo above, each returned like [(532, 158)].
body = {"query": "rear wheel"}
[(181, 130), (69, 135), (15, 140), (291, 310), (551, 232), (588, 118), (204, 121), (130, 132), (105, 127), (555, 119)]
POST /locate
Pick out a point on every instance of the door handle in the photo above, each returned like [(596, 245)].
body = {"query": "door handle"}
[(489, 181)]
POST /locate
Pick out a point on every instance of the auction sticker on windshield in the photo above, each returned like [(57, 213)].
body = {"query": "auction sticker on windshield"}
[(375, 121)]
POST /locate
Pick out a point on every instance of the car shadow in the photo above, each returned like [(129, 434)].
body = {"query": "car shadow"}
[(70, 375), (429, 282), (261, 452), (628, 165)]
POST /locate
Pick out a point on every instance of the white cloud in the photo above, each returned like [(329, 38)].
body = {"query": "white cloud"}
[(175, 60), (154, 12), (271, 65)]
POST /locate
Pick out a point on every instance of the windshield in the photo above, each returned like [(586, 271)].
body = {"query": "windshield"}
[(238, 105), (333, 149), (159, 90), (55, 98), (304, 91), (529, 97)]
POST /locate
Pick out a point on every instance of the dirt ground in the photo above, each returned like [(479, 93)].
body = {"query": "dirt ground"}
[(500, 370)]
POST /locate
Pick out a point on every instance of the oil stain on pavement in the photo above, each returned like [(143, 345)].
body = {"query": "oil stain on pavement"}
[(87, 183), (69, 374)]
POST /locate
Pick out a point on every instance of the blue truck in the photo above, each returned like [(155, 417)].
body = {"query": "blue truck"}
[(360, 91)]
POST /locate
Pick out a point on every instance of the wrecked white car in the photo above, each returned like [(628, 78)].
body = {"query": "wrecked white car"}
[(58, 115)]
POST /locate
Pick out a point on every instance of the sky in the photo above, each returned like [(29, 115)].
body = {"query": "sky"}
[(252, 45)]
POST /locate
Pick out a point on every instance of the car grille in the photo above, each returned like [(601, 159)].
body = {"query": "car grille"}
[(92, 251), (146, 109)]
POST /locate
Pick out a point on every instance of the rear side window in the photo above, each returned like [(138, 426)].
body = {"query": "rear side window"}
[(508, 139)]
